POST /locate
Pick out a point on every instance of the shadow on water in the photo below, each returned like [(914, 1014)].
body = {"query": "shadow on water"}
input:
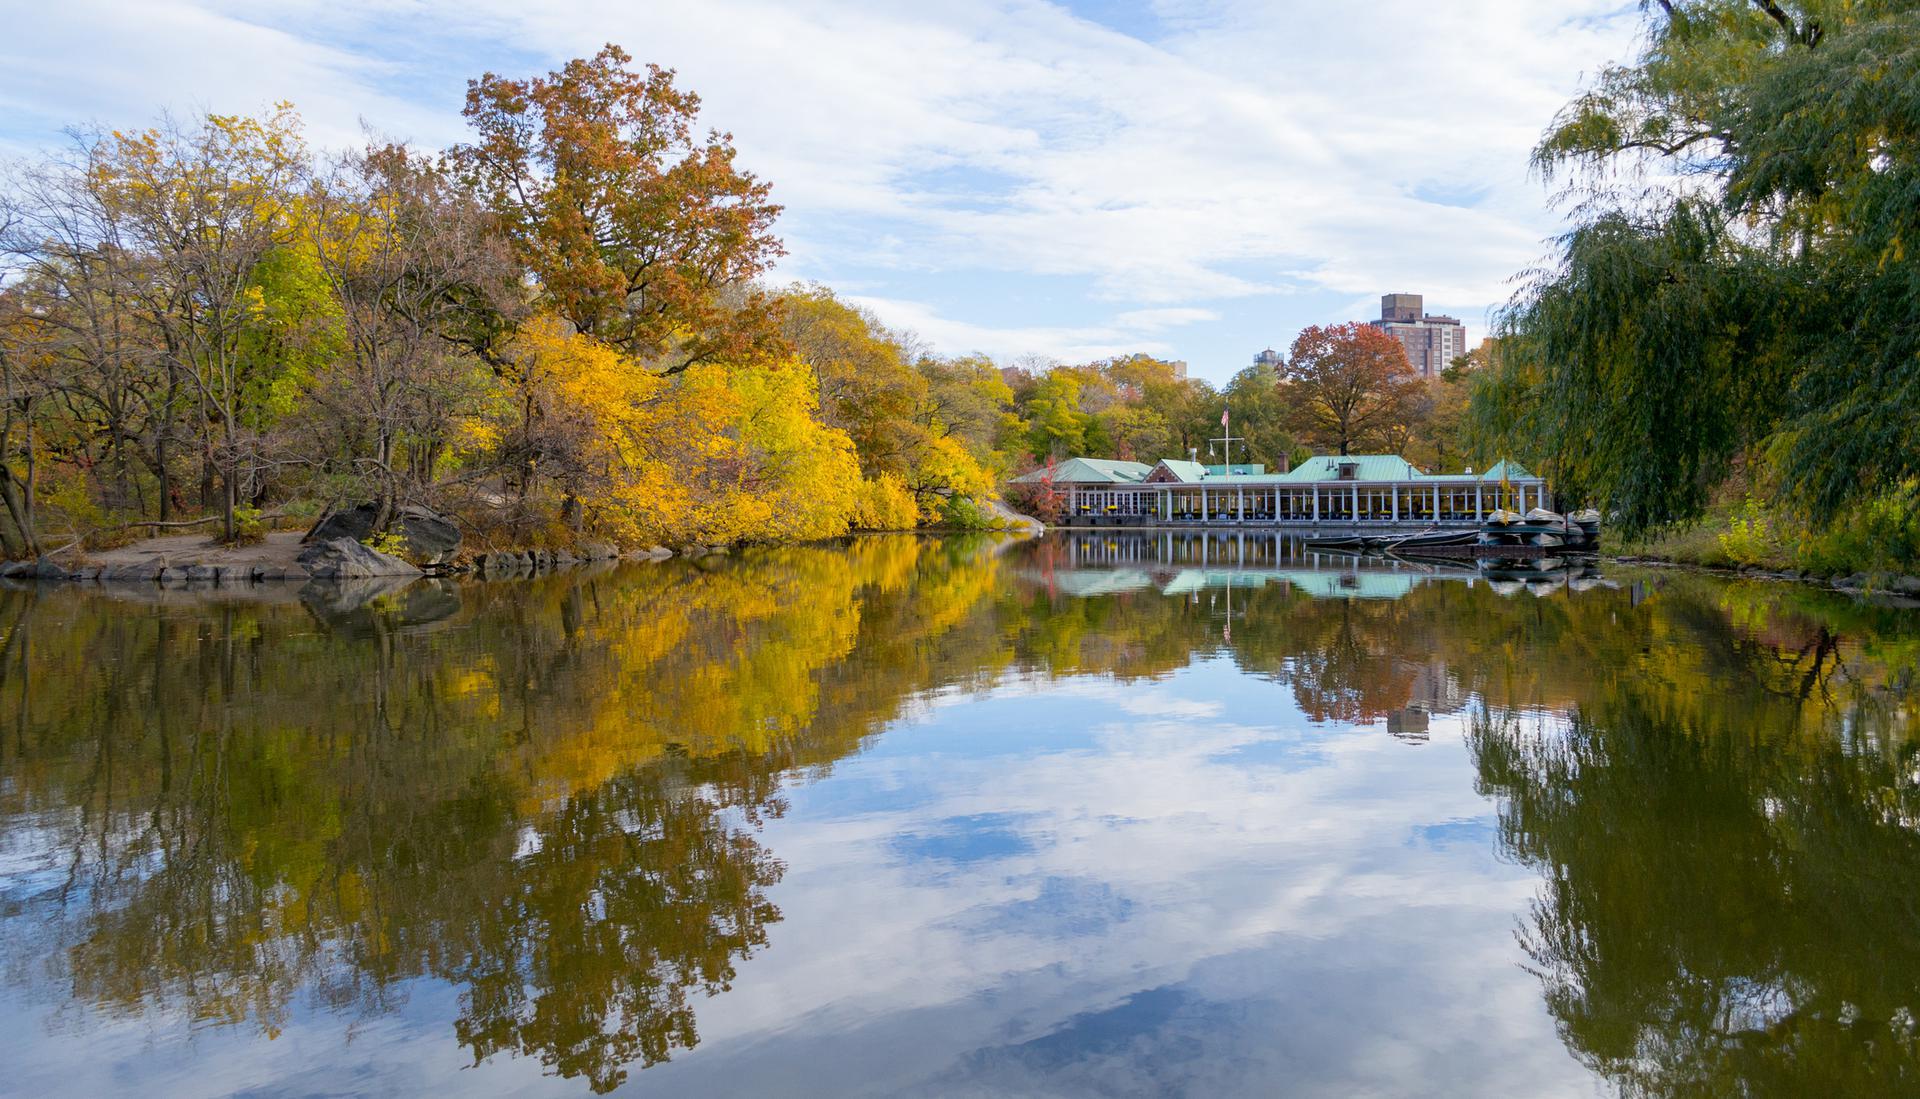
[(551, 793)]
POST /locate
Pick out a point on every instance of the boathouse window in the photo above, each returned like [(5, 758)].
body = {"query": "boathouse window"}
[(1348, 470)]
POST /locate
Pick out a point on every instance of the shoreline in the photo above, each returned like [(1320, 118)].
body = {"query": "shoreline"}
[(193, 561), (1905, 589)]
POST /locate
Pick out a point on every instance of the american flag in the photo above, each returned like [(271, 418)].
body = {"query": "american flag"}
[(1223, 417)]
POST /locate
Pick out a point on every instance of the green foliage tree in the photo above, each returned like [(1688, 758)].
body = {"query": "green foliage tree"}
[(1738, 288), (1260, 414)]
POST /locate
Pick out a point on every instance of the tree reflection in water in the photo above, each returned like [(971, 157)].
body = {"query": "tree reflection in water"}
[(1726, 900), (551, 793), (547, 793)]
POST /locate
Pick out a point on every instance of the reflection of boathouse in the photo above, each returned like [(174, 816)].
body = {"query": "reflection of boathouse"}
[(1184, 562), (1337, 490), (1177, 562)]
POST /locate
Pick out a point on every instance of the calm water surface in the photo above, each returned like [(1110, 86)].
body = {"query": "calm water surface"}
[(1076, 817)]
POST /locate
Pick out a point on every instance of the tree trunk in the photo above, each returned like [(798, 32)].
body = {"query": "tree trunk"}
[(20, 538)]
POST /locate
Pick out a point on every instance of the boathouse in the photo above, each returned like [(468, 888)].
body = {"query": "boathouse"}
[(1343, 490)]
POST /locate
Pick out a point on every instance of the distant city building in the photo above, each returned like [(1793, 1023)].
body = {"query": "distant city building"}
[(1269, 357), (1432, 341), (1179, 368)]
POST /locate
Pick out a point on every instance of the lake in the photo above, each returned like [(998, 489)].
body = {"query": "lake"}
[(1091, 815)]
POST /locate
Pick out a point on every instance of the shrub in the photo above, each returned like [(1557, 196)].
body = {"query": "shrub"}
[(1880, 535), (390, 542), (1751, 537), (960, 513), (247, 526)]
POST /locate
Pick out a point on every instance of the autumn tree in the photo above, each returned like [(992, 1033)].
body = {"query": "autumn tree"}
[(1057, 427), (642, 232), (26, 387), (1349, 387), (408, 258), (1134, 432), (208, 205), (867, 385), (76, 270)]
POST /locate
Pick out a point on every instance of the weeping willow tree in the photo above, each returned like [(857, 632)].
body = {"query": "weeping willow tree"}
[(1738, 285)]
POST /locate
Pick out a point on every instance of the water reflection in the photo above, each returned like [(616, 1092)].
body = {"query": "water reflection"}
[(592, 804)]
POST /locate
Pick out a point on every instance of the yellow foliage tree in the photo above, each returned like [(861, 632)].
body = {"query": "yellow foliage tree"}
[(717, 454)]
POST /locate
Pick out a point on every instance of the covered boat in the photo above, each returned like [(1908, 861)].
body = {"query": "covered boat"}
[(1586, 525)]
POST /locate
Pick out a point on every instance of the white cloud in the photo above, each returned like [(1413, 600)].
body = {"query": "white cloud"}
[(1142, 330), (1257, 148)]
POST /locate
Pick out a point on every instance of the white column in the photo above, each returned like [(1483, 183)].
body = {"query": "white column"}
[(1479, 506), (1396, 502), (1353, 494)]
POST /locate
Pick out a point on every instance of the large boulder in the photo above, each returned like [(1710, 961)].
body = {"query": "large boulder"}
[(432, 539), (347, 559)]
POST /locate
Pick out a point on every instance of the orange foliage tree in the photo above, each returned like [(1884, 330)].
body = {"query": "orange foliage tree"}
[(640, 233), (1348, 387)]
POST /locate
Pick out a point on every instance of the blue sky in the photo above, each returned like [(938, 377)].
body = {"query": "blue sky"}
[(1191, 178)]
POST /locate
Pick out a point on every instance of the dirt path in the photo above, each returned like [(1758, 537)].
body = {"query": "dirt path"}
[(278, 548)]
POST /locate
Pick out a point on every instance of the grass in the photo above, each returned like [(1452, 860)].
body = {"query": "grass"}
[(1879, 538)]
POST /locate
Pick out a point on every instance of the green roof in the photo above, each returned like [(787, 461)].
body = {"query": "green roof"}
[(1351, 585), (1091, 471), (1186, 471), (1370, 467), (1511, 470)]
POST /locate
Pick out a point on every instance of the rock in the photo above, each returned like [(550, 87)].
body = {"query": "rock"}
[(169, 576), (378, 605), (16, 569), (659, 553), (1905, 585), (144, 572), (347, 559), (1857, 580), (202, 574), (432, 539), (598, 551), (44, 569)]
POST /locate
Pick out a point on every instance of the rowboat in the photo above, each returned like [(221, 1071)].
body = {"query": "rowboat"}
[(1431, 539)]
